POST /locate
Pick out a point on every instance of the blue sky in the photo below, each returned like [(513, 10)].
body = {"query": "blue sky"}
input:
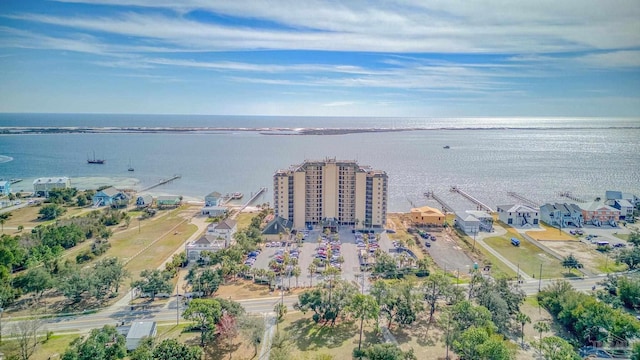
[(321, 58)]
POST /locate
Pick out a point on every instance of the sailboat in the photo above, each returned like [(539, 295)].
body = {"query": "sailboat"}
[(130, 167), (94, 160)]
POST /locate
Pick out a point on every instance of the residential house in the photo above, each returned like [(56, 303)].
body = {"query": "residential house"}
[(611, 196), (277, 228), (42, 186), (224, 230), (213, 211), (518, 215), (168, 201), (562, 215), (144, 201), (5, 188), (427, 216), (213, 199), (138, 331), (194, 249), (599, 214), (474, 221), (110, 197), (626, 209)]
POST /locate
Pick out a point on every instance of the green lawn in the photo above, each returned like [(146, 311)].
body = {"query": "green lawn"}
[(244, 219), (528, 256), (310, 339), (624, 237)]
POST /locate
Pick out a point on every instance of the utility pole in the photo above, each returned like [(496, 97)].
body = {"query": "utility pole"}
[(178, 301)]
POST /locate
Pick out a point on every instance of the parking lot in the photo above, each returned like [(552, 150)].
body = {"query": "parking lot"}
[(448, 254), (310, 248)]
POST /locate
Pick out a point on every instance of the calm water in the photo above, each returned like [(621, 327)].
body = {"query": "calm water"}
[(488, 157)]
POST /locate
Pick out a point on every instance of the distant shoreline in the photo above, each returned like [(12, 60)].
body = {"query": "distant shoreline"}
[(263, 131)]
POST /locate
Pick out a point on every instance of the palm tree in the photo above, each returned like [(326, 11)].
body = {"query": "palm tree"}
[(522, 318), (410, 242), (312, 270), (296, 272), (541, 326)]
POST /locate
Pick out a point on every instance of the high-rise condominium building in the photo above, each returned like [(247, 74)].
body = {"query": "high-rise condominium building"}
[(331, 189)]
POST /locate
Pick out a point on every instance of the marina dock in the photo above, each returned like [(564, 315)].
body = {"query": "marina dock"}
[(569, 195), (446, 207), (161, 182), (250, 201), (480, 204), (523, 199)]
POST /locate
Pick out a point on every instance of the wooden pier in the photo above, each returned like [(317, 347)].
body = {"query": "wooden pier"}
[(569, 195), (445, 206), (161, 182), (253, 198), (523, 199), (480, 204)]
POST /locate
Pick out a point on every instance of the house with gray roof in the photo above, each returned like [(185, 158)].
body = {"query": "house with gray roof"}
[(110, 197), (519, 215), (276, 228), (626, 209), (138, 331), (213, 199), (195, 248), (562, 215), (224, 229), (42, 186), (144, 201), (474, 221)]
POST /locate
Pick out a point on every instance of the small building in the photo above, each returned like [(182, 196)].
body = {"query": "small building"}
[(213, 199), (598, 214), (518, 215), (168, 201), (474, 221), (562, 215), (611, 196), (42, 186), (277, 228), (625, 207), (194, 249), (213, 211), (224, 230), (138, 331), (110, 197), (144, 201), (5, 187), (427, 215)]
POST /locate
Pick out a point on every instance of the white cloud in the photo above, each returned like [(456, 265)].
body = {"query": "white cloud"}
[(622, 59), (339, 103)]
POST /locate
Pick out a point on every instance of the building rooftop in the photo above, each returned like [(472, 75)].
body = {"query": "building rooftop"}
[(51, 180), (140, 329)]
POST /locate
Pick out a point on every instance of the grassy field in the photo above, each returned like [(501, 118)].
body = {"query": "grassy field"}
[(550, 233), (244, 219), (310, 339), (528, 256), (624, 237)]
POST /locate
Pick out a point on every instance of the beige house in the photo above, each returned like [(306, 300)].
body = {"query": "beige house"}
[(224, 230), (427, 215), (342, 190), (42, 186)]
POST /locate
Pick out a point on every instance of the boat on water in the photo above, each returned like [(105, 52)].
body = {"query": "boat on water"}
[(446, 147), (94, 160), (237, 195), (130, 167)]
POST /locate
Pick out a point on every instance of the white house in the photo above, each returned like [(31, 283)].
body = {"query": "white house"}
[(194, 249), (474, 221), (625, 207), (42, 186), (519, 215), (225, 230), (138, 331)]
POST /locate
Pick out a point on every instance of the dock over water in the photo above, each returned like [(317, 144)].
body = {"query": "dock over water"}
[(480, 204), (446, 207), (523, 199), (161, 182), (569, 195)]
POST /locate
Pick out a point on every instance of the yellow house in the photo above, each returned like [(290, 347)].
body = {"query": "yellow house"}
[(427, 216)]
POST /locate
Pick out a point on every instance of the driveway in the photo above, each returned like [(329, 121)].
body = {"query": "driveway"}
[(447, 254)]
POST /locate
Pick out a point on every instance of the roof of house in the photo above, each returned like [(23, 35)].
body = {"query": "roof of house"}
[(62, 179), (566, 207), (146, 198), (479, 214), (277, 226), (427, 210), (624, 203), (4, 182), (516, 208), (597, 205), (466, 217), (168, 198), (110, 191), (612, 195), (226, 224), (140, 329), (214, 194)]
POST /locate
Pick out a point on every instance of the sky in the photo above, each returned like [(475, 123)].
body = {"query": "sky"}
[(322, 58)]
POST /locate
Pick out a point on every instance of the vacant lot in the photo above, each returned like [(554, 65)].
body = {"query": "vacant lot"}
[(310, 339), (528, 256), (550, 233)]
